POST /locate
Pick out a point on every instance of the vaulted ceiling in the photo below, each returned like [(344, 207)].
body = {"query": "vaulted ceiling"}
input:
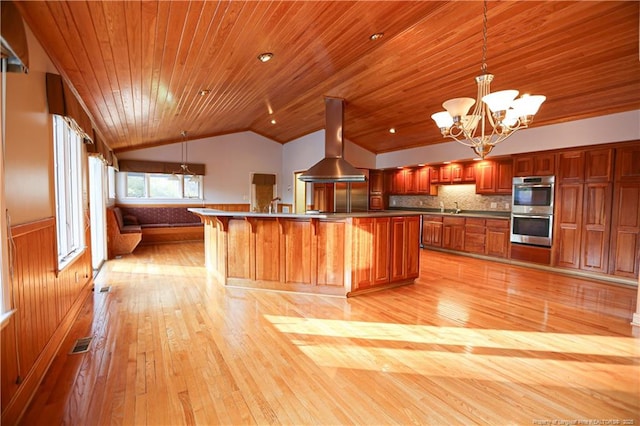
[(139, 67)]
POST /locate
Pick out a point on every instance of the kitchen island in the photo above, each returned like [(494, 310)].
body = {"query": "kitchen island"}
[(341, 254)]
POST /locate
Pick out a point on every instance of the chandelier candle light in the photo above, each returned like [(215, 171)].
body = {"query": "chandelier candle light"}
[(496, 116)]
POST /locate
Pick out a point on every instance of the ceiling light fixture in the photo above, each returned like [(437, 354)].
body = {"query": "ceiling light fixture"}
[(265, 57), (184, 153), (376, 36), (273, 121), (204, 92), (392, 130), (495, 117)]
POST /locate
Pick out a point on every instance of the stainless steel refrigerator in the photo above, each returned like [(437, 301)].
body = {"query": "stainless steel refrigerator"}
[(352, 196)]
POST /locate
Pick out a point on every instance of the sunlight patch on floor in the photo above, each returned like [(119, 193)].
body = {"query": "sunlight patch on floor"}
[(578, 344)]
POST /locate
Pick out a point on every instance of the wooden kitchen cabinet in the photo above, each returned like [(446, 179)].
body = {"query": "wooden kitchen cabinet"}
[(432, 231), (568, 225), (474, 235), (598, 165), (497, 237), (410, 181), (405, 247), (534, 165), (398, 182), (494, 177), (323, 197), (596, 226), (624, 255), (583, 209), (371, 247), (453, 233), (444, 174), (376, 181), (469, 172), (457, 172), (570, 166), (423, 182), (376, 190)]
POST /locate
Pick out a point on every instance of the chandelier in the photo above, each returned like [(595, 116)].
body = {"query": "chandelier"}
[(496, 116)]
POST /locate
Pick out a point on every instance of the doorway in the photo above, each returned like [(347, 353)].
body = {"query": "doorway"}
[(300, 194), (97, 211)]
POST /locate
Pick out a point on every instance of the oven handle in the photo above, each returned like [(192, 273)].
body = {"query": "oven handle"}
[(524, 185), (530, 216)]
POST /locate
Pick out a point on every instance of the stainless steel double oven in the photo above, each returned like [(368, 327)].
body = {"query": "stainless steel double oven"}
[(532, 210)]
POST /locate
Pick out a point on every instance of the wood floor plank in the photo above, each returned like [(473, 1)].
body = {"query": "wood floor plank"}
[(471, 342)]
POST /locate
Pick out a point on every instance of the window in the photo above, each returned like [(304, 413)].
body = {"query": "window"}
[(165, 186), (68, 183)]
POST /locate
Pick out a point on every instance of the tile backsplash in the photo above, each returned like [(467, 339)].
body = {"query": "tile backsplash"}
[(465, 195)]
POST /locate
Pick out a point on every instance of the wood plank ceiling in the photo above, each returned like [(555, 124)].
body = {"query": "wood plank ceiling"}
[(139, 67)]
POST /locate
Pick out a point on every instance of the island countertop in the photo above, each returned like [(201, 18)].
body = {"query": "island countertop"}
[(340, 254), (324, 215)]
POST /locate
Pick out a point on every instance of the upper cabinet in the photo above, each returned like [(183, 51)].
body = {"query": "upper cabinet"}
[(587, 165), (494, 177), (534, 165), (412, 181)]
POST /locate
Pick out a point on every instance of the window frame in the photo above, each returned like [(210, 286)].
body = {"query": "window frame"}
[(68, 183), (147, 186)]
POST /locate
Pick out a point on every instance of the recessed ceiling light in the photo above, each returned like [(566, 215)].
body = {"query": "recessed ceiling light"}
[(421, 165), (273, 121), (376, 36), (204, 92), (265, 57), (392, 130)]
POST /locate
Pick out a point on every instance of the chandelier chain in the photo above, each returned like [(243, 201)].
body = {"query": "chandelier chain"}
[(484, 39)]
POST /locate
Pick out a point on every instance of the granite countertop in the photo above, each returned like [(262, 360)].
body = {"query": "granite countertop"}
[(464, 213), (384, 213)]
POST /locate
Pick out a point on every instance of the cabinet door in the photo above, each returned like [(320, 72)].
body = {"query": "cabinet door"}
[(625, 242), (571, 166), (376, 182), (628, 163), (376, 202), (381, 248), (436, 234), (469, 172), (504, 177), (568, 223), (595, 227), (398, 182), (423, 180), (398, 241), (485, 177), (544, 165), (598, 165), (457, 172), (363, 253), (445, 174), (410, 181), (323, 197), (523, 166), (412, 246), (497, 240)]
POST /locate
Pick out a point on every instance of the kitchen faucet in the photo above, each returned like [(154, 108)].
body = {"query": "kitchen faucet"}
[(457, 209)]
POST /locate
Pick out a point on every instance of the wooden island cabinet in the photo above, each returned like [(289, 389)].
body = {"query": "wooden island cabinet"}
[(340, 254)]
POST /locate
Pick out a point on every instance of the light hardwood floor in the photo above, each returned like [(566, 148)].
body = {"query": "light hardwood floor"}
[(472, 342)]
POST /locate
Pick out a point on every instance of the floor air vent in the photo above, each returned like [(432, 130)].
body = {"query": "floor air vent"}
[(82, 345), (105, 289)]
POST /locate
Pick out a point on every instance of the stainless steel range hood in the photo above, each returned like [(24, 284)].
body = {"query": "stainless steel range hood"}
[(333, 168)]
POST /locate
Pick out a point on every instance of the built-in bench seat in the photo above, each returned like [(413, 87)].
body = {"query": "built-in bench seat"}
[(163, 223), (122, 238)]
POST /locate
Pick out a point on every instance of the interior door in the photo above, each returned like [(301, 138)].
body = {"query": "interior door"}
[(97, 210)]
